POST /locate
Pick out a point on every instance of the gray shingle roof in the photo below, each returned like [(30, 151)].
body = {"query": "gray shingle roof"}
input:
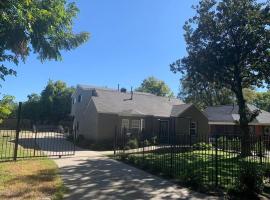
[(179, 109), (229, 113), (142, 104)]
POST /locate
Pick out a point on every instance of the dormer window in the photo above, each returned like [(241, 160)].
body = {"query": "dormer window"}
[(79, 98)]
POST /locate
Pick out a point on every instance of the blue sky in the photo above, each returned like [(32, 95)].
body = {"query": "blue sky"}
[(130, 40)]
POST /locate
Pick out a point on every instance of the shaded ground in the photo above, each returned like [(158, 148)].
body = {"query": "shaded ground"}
[(90, 175)]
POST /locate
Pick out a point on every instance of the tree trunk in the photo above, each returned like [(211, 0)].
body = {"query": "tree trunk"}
[(244, 121)]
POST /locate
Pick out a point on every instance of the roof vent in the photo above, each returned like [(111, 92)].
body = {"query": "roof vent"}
[(123, 90)]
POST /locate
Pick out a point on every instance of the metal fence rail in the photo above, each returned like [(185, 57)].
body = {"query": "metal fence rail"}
[(24, 142), (201, 161)]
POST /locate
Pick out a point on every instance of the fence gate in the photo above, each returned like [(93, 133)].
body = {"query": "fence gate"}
[(21, 142)]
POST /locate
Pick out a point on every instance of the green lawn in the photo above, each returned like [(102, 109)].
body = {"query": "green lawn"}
[(195, 167)]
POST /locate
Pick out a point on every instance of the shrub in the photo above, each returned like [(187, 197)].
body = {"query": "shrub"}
[(132, 144), (248, 183), (146, 143), (153, 140), (257, 147), (226, 143), (202, 146)]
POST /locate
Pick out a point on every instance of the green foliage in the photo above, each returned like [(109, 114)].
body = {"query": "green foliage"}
[(155, 86), (204, 94), (226, 143), (7, 107), (132, 144), (153, 140), (52, 106), (228, 45), (202, 146), (41, 26), (262, 100), (248, 183)]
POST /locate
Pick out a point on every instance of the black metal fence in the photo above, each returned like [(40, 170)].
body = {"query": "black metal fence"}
[(199, 160), (28, 142)]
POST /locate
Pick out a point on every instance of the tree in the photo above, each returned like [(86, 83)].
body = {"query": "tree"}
[(31, 109), (7, 107), (41, 26), (51, 106), (262, 100), (228, 45), (55, 102), (204, 94), (154, 86)]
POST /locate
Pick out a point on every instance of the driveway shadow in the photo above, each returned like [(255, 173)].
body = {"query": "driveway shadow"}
[(102, 178)]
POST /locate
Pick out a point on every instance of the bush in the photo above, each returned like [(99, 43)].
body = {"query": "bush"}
[(257, 147), (153, 140), (202, 146), (249, 182), (132, 144), (226, 143)]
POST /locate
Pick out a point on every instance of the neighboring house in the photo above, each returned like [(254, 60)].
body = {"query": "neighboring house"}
[(223, 120), (98, 112)]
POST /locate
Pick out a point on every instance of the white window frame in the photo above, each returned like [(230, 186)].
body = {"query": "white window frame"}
[(142, 124), (125, 123), (135, 124), (191, 128)]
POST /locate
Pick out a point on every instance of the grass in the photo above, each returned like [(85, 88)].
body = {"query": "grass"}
[(196, 168), (30, 179)]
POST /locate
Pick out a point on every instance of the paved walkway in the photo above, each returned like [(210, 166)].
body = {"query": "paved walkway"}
[(91, 175)]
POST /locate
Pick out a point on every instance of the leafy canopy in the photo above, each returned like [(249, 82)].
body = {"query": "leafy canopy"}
[(41, 26), (228, 45), (154, 86), (204, 94), (7, 107), (51, 106)]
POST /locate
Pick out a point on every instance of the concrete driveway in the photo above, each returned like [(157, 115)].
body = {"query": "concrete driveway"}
[(91, 175)]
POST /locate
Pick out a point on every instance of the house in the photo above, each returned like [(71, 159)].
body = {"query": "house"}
[(223, 120), (99, 111)]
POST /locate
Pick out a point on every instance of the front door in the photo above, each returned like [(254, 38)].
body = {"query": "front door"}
[(164, 131)]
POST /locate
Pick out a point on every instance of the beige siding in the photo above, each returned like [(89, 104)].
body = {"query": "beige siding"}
[(106, 126), (182, 125), (85, 113)]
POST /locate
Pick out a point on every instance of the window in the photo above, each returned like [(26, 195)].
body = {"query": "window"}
[(142, 124), (267, 130), (79, 98), (125, 123), (135, 123), (193, 128)]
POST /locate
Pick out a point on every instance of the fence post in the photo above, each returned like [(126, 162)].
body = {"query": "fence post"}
[(115, 140), (260, 149), (171, 159), (17, 131), (216, 162), (143, 139), (35, 142)]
